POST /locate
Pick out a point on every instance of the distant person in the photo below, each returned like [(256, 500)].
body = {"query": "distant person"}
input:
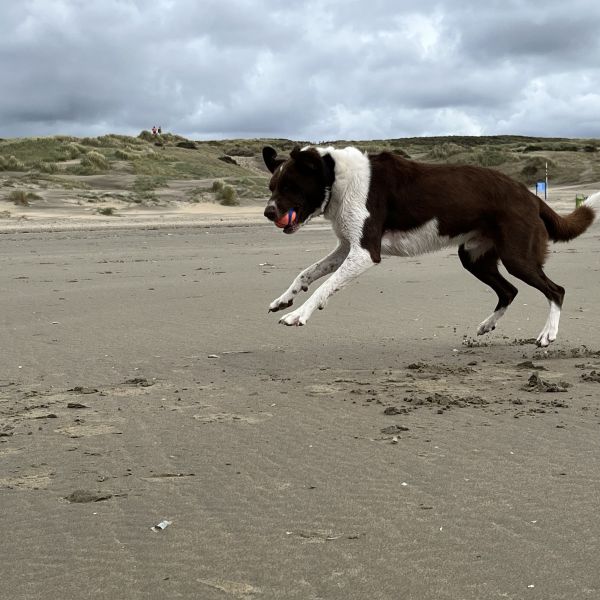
[(159, 130), (154, 130)]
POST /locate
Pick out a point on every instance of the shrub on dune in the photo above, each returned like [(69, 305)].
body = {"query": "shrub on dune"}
[(95, 160)]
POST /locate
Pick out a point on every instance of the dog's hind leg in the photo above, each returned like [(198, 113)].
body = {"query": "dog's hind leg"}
[(323, 267), (485, 268), (524, 260), (535, 277)]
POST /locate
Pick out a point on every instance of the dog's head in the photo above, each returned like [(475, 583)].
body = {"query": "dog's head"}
[(302, 183)]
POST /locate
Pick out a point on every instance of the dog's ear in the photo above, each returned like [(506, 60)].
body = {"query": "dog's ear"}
[(270, 158), (296, 151), (309, 160)]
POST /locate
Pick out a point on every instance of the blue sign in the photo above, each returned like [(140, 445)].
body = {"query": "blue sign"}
[(540, 188)]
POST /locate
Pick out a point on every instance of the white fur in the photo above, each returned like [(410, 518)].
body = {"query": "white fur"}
[(357, 262), (550, 330), (490, 323), (321, 268), (593, 202), (423, 239), (477, 245), (347, 210)]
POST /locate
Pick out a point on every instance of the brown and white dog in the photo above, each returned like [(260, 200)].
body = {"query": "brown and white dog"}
[(384, 204)]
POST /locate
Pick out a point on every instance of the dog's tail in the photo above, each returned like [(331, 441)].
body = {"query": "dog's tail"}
[(564, 228)]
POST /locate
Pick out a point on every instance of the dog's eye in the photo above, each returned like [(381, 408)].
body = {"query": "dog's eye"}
[(288, 188)]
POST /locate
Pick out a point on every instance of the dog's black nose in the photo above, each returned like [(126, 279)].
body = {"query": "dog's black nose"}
[(271, 212)]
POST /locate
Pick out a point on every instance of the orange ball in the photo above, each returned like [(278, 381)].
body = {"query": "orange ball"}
[(287, 219)]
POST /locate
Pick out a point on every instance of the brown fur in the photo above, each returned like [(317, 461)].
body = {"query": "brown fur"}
[(565, 228), (405, 195), (499, 217)]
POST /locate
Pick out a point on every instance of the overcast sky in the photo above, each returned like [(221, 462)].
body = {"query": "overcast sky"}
[(314, 70)]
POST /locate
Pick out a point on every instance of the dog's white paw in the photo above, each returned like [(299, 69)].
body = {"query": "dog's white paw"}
[(550, 331), (545, 338), (287, 298), (490, 323), (296, 318), (486, 327), (284, 301)]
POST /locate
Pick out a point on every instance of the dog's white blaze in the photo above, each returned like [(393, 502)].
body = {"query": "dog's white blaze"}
[(347, 208), (420, 240)]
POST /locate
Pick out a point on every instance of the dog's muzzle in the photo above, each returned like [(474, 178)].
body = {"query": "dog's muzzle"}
[(271, 211)]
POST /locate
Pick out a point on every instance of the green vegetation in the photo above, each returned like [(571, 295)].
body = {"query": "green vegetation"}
[(90, 164), (240, 150), (227, 196), (94, 142), (144, 186), (123, 155), (197, 194), (45, 167), (250, 187), (95, 160), (535, 169), (21, 197), (32, 150), (400, 151), (491, 157), (445, 150), (187, 144), (74, 150), (107, 211), (12, 163), (147, 184), (135, 168)]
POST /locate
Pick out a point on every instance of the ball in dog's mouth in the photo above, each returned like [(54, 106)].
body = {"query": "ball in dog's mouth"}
[(288, 222)]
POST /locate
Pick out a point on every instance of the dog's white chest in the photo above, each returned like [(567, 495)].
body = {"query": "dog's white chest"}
[(418, 241)]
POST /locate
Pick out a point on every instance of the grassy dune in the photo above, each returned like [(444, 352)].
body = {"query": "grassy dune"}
[(150, 170)]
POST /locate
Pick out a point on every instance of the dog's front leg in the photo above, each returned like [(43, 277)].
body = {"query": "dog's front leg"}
[(321, 268), (357, 261)]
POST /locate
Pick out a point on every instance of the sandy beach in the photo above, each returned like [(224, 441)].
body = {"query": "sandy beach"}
[(382, 451), (163, 436)]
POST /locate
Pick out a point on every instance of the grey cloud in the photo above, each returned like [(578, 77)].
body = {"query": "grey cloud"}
[(555, 34), (314, 70)]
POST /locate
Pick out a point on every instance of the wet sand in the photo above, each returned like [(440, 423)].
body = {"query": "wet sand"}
[(382, 451)]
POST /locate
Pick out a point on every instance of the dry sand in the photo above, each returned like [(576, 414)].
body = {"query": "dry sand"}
[(379, 452), (63, 210), (64, 217)]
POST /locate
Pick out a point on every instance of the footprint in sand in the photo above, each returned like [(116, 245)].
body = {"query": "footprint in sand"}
[(322, 389), (233, 418), (87, 430), (242, 591), (33, 481)]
